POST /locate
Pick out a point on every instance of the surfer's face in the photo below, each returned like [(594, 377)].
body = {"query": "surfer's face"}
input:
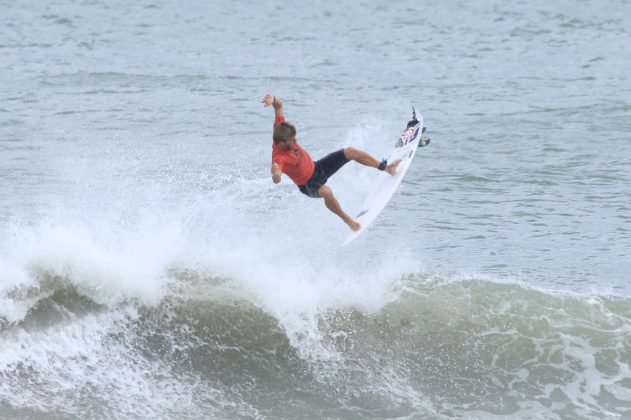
[(287, 144)]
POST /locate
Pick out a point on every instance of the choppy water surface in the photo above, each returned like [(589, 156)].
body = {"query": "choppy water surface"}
[(150, 268)]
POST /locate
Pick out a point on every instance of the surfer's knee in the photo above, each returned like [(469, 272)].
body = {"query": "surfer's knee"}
[(351, 153), (325, 192)]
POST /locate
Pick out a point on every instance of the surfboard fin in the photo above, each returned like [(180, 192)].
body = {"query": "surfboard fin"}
[(423, 142)]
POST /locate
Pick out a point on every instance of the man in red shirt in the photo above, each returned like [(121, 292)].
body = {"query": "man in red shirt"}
[(294, 161)]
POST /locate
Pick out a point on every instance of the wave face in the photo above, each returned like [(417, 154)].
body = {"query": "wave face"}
[(210, 348)]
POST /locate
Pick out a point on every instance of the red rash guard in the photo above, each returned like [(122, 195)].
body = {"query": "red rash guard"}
[(295, 163)]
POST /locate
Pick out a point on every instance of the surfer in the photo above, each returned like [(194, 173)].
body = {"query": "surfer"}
[(290, 158)]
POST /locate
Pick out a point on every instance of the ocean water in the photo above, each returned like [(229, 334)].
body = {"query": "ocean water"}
[(149, 268)]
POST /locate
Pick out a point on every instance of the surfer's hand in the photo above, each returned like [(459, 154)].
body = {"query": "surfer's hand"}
[(268, 100), (276, 172)]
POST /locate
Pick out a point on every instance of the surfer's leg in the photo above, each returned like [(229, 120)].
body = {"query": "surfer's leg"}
[(365, 159), (360, 156), (333, 205)]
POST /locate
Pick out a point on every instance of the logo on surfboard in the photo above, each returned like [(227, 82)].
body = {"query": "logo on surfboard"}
[(408, 136)]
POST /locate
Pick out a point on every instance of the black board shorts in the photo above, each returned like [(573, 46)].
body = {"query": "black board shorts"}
[(324, 168)]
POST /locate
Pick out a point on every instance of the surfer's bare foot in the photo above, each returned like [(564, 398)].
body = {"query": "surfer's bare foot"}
[(354, 225), (392, 167)]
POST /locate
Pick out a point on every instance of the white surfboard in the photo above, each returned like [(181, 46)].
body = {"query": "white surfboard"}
[(386, 184)]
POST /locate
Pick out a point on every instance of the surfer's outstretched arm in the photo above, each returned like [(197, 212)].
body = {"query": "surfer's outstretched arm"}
[(274, 101), (279, 116)]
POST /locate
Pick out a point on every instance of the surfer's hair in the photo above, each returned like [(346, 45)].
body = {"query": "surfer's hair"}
[(284, 131)]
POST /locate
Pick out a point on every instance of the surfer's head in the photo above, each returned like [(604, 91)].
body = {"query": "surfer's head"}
[(285, 135)]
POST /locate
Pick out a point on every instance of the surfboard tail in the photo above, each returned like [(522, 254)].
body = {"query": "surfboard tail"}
[(414, 120)]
